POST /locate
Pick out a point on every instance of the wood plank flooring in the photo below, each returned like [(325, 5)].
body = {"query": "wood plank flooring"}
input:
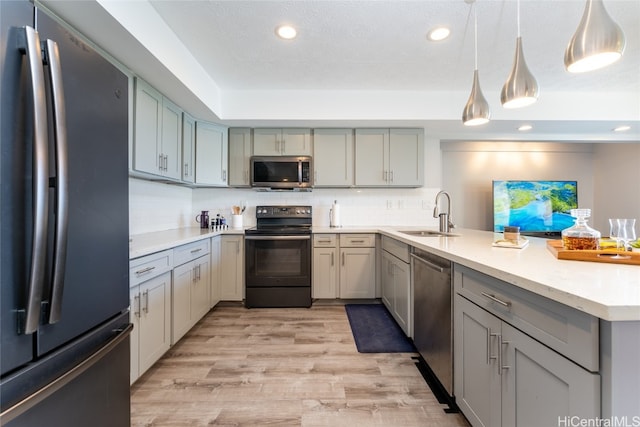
[(282, 367)]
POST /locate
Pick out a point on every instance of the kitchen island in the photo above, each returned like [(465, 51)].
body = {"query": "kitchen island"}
[(605, 296)]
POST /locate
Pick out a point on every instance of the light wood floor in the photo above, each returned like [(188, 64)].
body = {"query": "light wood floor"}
[(282, 367)]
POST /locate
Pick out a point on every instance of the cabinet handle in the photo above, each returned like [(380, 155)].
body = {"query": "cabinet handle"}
[(391, 176), (324, 241), (384, 176), (490, 357), (146, 301), (145, 270), (331, 259), (160, 162), (500, 344), (196, 250), (199, 270), (186, 169), (495, 299), (356, 241), (342, 258), (136, 306)]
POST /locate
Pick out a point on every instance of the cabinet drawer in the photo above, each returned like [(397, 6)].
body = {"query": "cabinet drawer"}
[(568, 331), (357, 240), (150, 266), (191, 251), (324, 240), (398, 249)]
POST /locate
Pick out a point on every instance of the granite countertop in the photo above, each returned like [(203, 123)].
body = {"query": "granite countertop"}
[(607, 291), (148, 243)]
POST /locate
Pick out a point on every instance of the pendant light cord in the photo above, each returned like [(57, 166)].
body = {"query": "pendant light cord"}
[(475, 34), (518, 18)]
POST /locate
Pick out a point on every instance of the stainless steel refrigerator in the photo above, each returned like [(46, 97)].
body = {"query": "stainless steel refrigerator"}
[(64, 321)]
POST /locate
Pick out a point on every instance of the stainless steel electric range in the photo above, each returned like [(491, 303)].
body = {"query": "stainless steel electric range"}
[(278, 257)]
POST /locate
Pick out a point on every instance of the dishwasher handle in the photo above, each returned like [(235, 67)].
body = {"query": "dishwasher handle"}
[(429, 263)]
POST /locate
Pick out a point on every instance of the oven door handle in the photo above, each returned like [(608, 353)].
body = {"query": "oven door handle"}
[(304, 237)]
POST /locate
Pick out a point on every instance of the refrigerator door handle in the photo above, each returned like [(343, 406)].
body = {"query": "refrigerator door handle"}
[(31, 48), (52, 57)]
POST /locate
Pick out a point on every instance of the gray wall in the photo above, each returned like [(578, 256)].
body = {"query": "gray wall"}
[(607, 174)]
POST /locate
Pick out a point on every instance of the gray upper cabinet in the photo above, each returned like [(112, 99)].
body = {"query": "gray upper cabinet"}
[(281, 142), (389, 157), (240, 157), (157, 134), (333, 158), (188, 148), (211, 154)]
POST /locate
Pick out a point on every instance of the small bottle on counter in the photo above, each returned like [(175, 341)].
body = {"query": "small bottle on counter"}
[(580, 236)]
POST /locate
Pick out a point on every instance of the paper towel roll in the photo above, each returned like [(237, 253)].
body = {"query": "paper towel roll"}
[(335, 215)]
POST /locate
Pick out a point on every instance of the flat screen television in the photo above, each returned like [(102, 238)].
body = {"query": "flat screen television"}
[(539, 208)]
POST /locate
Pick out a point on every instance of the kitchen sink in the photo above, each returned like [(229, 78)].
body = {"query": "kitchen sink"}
[(427, 233)]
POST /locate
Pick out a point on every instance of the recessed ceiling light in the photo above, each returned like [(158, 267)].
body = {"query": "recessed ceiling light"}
[(286, 32), (439, 33), (622, 128), (525, 128)]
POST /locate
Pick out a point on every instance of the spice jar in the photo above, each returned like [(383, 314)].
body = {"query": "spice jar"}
[(580, 236)]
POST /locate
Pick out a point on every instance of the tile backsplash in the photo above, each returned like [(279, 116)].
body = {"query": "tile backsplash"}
[(156, 206)]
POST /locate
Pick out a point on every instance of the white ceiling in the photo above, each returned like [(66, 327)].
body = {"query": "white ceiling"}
[(357, 47)]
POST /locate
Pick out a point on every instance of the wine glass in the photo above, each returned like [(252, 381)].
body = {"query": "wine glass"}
[(629, 233), (617, 231)]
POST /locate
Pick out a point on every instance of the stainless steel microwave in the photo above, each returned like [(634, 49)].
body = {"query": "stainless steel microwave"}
[(281, 172)]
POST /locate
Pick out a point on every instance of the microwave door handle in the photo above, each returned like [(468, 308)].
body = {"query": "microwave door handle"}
[(300, 172), (40, 199), (52, 56)]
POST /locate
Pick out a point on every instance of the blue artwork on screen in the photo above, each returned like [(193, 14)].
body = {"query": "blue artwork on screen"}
[(537, 207)]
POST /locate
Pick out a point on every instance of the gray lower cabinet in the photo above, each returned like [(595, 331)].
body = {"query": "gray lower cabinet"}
[(396, 282), (232, 268), (191, 286), (505, 377)]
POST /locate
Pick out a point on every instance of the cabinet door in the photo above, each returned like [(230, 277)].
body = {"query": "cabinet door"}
[(540, 387), (183, 277), (333, 157), (266, 142), (171, 139), (214, 293), (147, 129), (357, 273), (239, 157), (388, 291), (296, 142), (232, 275), (402, 292), (188, 148), (134, 316), (200, 289), (211, 154), (155, 320), (406, 157), (372, 147), (476, 381), (325, 272)]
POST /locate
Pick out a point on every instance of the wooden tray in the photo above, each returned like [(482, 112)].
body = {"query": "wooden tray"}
[(555, 247)]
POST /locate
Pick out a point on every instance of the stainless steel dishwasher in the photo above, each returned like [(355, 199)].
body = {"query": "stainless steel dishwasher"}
[(432, 308)]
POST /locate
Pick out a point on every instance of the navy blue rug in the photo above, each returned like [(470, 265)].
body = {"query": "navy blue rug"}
[(375, 331)]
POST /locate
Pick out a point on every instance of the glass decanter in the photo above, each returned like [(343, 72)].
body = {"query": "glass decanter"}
[(580, 236)]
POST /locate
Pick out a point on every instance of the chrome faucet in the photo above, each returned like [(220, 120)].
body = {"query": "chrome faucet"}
[(446, 222)]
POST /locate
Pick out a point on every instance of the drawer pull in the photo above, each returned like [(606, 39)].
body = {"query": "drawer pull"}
[(145, 270), (324, 241), (494, 299), (357, 241), (195, 251)]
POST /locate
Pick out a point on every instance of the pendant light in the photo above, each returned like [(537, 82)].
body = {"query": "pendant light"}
[(476, 112), (521, 88), (597, 42)]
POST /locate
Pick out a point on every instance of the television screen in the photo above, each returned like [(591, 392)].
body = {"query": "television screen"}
[(537, 207)]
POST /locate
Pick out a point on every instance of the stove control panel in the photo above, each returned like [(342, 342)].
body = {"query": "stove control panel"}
[(283, 211)]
